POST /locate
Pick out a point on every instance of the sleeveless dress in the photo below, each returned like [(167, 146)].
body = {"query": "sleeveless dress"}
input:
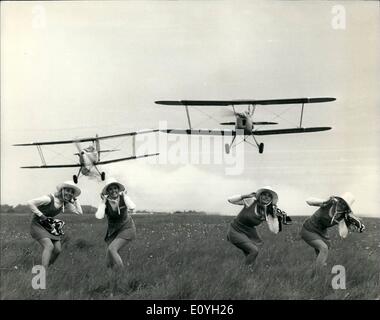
[(315, 227), (120, 223), (243, 228), (37, 231)]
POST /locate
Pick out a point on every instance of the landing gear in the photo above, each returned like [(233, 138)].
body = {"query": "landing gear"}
[(75, 177), (103, 176), (229, 146), (261, 147)]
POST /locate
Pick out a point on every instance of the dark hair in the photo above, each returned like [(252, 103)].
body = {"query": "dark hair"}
[(261, 209), (113, 184)]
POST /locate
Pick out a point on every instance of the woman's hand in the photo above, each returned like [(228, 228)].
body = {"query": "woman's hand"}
[(331, 200), (249, 195), (43, 218)]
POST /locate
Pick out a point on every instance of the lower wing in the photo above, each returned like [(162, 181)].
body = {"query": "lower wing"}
[(212, 132), (289, 130), (53, 166), (100, 162)]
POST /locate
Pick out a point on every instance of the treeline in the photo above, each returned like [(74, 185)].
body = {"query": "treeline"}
[(87, 209)]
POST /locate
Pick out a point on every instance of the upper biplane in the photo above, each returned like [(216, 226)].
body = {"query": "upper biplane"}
[(244, 123), (89, 157)]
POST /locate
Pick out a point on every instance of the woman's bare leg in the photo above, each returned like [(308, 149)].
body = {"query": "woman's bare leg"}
[(56, 251), (322, 251), (47, 251), (113, 251), (114, 262)]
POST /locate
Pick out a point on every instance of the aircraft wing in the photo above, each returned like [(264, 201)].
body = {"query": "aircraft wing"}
[(53, 166), (212, 132), (289, 130), (244, 102), (87, 139), (128, 158)]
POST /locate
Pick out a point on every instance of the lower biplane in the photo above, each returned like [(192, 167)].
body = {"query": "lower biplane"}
[(88, 157), (244, 123)]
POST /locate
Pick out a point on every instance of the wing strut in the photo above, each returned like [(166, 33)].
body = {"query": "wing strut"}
[(301, 115), (134, 145), (41, 155), (188, 116)]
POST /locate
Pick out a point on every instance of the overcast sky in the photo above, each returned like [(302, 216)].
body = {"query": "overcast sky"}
[(76, 69)]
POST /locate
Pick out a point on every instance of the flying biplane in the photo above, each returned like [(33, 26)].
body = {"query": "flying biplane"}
[(89, 157), (244, 123)]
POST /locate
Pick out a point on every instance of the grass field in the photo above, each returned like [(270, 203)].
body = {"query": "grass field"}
[(187, 257)]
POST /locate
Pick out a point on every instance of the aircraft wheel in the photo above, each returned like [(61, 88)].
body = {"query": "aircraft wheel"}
[(75, 179), (103, 176), (261, 147), (227, 146)]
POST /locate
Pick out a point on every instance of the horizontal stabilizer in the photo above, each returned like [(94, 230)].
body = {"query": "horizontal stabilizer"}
[(289, 130), (261, 123), (228, 123), (101, 151)]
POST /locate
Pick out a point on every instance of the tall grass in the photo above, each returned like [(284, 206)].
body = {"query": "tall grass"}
[(186, 257)]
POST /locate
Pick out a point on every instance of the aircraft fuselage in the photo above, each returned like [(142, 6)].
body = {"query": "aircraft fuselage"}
[(88, 160), (244, 122)]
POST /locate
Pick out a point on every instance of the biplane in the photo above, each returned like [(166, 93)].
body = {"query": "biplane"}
[(244, 122), (88, 157)]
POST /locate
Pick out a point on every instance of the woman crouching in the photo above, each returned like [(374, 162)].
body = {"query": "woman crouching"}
[(332, 211), (259, 206), (48, 232)]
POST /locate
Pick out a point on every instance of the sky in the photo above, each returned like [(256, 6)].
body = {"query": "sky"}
[(79, 68)]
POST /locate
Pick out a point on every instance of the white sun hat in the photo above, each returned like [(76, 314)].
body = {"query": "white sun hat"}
[(69, 185), (112, 181), (348, 198), (271, 191)]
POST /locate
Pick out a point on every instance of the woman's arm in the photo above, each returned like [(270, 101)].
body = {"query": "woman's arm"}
[(355, 221), (130, 204), (317, 202), (100, 213), (245, 199), (35, 203), (74, 207)]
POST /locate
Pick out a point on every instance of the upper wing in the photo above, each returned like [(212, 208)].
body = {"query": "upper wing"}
[(289, 130), (245, 102), (212, 132), (53, 166), (128, 158), (87, 139)]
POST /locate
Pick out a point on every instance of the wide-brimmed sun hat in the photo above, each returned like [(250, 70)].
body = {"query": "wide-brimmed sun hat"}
[(348, 198), (271, 191), (69, 185), (111, 181)]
